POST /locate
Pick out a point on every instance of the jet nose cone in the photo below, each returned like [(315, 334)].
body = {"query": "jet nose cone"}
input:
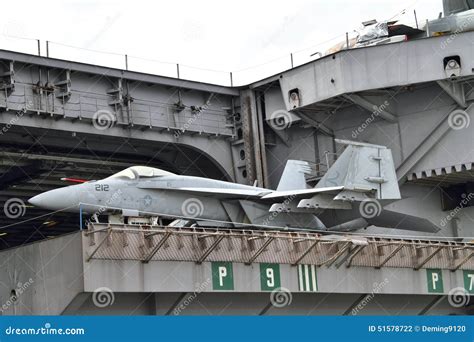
[(58, 199), (36, 200)]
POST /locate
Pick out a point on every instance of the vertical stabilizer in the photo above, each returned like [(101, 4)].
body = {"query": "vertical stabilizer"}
[(293, 177), (364, 167)]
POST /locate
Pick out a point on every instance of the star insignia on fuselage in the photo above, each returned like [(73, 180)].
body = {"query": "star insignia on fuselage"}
[(147, 200)]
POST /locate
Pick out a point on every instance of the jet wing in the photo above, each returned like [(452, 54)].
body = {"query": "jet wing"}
[(226, 193), (215, 192)]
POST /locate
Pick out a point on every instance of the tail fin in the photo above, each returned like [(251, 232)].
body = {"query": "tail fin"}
[(363, 167), (293, 177)]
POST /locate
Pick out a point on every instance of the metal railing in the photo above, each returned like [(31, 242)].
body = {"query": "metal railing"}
[(143, 113), (162, 243)]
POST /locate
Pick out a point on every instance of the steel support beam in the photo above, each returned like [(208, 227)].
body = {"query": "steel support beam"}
[(296, 262), (157, 247), (431, 305), (261, 139), (176, 303), (281, 134), (390, 256), (466, 259), (317, 125), (353, 254), (348, 255), (455, 91), (250, 137), (209, 250), (428, 258), (431, 139), (353, 305), (99, 245), (329, 261), (371, 107), (260, 250)]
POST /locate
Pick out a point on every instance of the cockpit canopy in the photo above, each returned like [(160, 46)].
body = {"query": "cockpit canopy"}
[(136, 172)]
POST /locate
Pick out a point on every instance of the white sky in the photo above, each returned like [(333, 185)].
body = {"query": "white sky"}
[(219, 35)]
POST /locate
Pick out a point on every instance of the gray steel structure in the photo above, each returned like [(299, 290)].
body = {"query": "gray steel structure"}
[(404, 96), (57, 277)]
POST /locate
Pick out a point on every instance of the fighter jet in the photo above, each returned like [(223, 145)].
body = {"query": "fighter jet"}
[(355, 192)]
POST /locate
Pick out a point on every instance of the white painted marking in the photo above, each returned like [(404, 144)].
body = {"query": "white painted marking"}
[(222, 275), (313, 277)]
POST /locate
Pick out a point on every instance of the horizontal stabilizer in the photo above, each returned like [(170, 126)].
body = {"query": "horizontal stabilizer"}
[(397, 220), (302, 193)]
